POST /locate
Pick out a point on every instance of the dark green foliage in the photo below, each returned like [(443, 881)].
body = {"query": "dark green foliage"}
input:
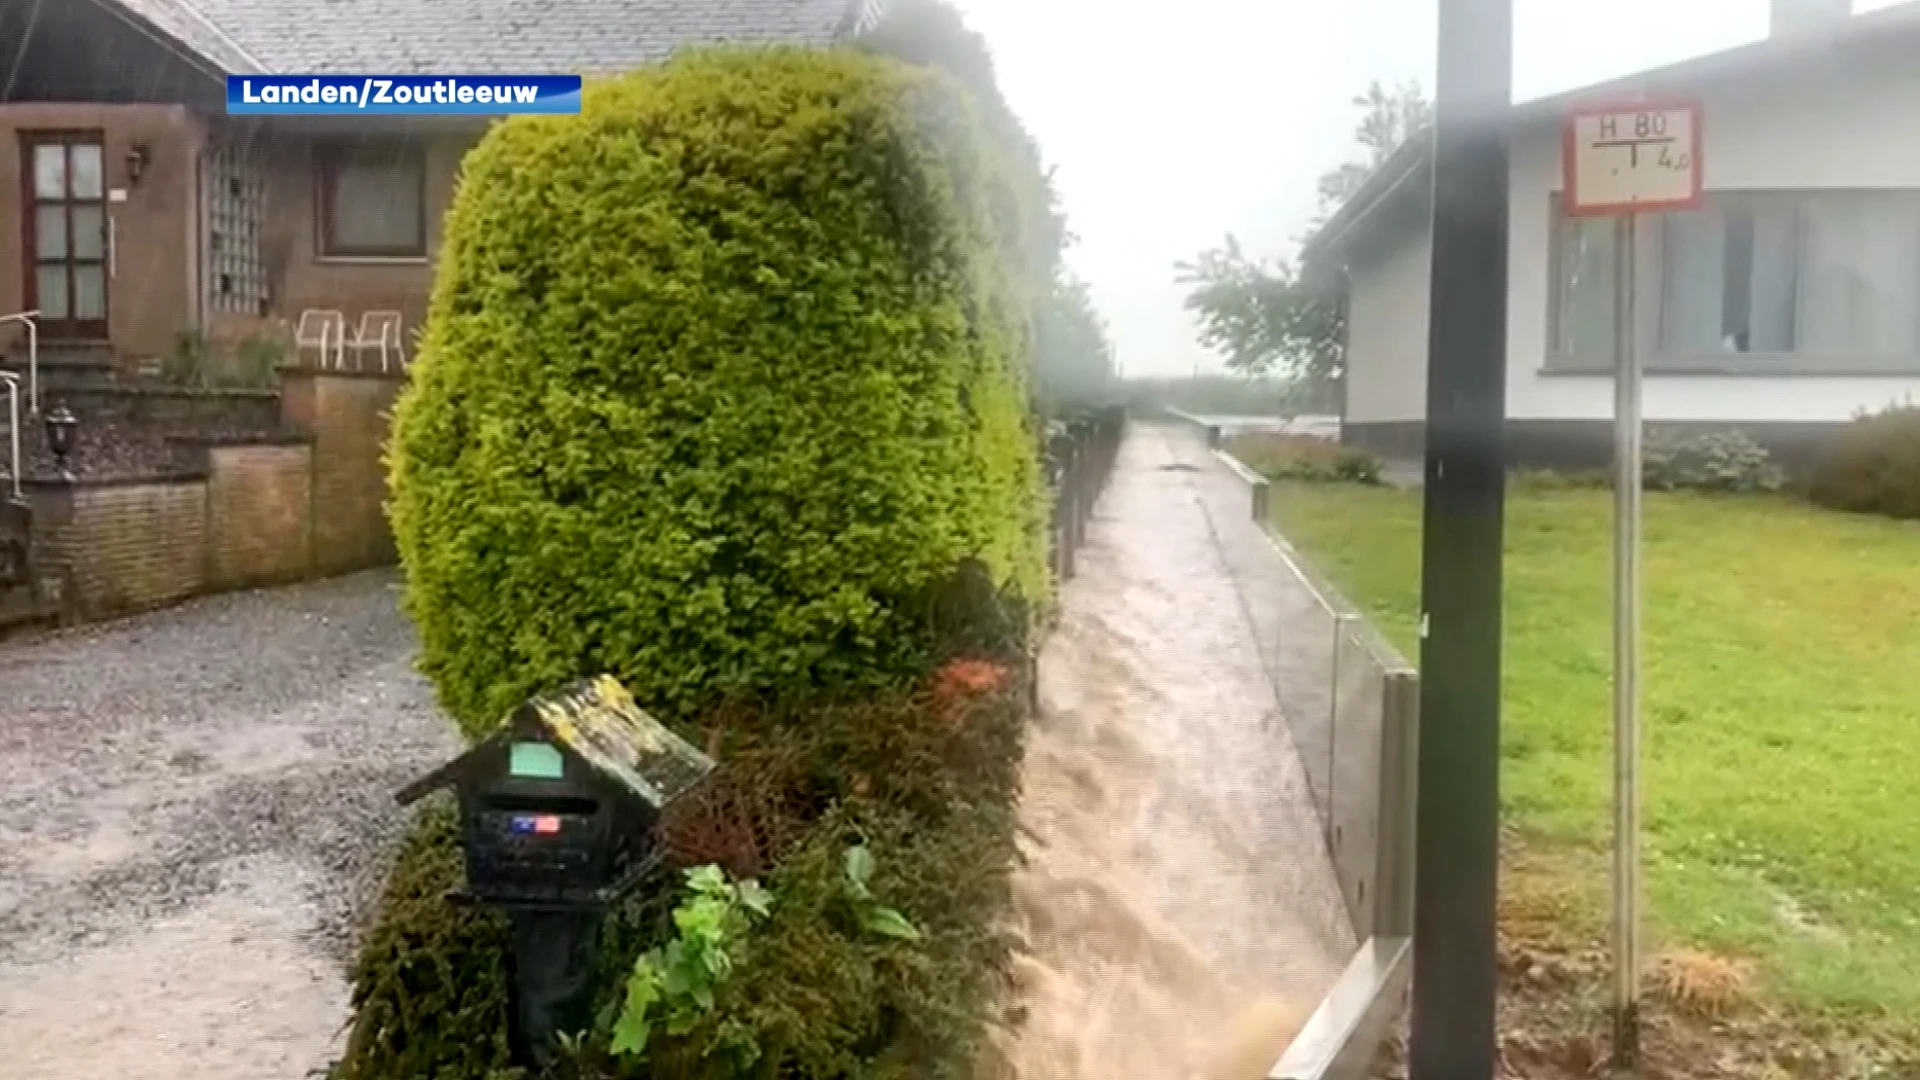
[(1302, 457), (1719, 461), (928, 789), (1873, 466), (429, 996), (718, 375)]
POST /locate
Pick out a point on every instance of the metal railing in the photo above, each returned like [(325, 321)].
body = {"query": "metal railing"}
[(1349, 702), (14, 465), (29, 319), (1079, 461)]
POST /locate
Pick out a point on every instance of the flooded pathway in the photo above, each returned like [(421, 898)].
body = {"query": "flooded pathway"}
[(1179, 908)]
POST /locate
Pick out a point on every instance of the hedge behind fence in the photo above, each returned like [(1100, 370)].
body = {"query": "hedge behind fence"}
[(717, 377)]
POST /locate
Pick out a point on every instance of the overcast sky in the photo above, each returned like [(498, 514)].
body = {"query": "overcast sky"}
[(1175, 123)]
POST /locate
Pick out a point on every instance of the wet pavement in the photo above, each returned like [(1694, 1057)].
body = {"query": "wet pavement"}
[(1180, 911), (195, 806)]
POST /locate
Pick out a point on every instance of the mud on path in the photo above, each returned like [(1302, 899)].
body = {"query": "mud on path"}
[(1179, 909), (195, 808)]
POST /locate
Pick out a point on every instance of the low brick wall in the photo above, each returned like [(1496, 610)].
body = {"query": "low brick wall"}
[(260, 521), (309, 504), (348, 416)]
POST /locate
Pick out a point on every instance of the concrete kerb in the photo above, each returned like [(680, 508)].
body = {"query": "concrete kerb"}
[(1344, 1033)]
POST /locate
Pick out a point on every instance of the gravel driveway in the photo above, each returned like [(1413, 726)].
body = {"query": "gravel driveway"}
[(194, 810)]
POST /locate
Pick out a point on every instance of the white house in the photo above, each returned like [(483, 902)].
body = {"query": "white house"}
[(1787, 302)]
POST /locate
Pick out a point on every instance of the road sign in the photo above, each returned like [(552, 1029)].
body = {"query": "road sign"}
[(1623, 161), (1627, 159)]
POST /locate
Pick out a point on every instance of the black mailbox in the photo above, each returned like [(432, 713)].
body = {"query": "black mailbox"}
[(557, 808)]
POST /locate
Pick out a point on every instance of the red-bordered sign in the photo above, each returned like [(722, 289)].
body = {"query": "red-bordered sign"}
[(1631, 157)]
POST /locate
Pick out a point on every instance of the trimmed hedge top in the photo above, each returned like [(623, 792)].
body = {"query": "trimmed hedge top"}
[(718, 377)]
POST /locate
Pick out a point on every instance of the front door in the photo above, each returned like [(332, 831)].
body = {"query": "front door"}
[(66, 232)]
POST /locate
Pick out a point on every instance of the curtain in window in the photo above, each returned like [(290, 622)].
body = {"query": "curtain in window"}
[(1730, 278), (376, 207), (1586, 314), (1773, 282), (1693, 251), (1863, 275)]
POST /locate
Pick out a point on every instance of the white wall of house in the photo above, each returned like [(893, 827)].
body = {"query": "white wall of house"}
[(1387, 333), (1849, 126)]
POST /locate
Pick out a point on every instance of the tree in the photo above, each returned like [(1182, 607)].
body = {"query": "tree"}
[(1263, 317), (1276, 317), (1390, 118), (1073, 357)]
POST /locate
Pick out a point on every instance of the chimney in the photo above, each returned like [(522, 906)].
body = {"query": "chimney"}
[(1801, 16)]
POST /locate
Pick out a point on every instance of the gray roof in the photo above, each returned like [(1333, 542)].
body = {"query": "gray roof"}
[(481, 37), (1406, 176)]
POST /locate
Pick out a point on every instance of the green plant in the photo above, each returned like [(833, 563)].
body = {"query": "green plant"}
[(187, 359), (673, 986), (1306, 458), (718, 375), (1726, 461), (873, 915), (1873, 466)]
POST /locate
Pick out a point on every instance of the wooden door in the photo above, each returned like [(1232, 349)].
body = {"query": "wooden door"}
[(66, 231)]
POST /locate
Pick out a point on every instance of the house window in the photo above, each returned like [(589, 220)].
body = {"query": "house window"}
[(372, 201), (1828, 276), (1583, 288)]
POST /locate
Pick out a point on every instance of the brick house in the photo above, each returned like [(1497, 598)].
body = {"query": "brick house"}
[(133, 209), (154, 235)]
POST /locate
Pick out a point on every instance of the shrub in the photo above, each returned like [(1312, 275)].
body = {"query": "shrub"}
[(1307, 458), (1558, 480), (1719, 461), (1873, 466), (717, 375), (924, 780)]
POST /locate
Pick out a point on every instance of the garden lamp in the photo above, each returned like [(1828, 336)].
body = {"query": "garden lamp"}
[(61, 425)]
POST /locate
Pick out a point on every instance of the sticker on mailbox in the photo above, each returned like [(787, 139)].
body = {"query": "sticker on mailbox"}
[(542, 824)]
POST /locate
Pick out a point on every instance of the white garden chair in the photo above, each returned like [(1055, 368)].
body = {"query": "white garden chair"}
[(380, 330), (325, 331)]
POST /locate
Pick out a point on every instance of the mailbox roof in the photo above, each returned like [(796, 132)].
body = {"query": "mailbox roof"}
[(600, 723)]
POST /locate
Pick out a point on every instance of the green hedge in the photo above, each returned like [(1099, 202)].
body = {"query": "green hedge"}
[(717, 377), (1873, 466)]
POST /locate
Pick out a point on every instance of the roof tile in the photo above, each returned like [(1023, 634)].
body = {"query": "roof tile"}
[(478, 37)]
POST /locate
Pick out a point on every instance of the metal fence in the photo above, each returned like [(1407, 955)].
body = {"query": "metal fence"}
[(1349, 701), (1079, 461)]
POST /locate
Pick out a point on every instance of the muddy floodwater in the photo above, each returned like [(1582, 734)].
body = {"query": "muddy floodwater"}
[(1179, 908)]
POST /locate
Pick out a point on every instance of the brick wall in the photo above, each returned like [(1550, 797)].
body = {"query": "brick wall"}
[(347, 416), (136, 546), (259, 519), (310, 505)]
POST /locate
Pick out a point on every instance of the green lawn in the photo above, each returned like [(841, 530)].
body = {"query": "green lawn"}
[(1782, 714)]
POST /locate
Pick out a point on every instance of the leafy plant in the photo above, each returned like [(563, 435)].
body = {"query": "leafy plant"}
[(1873, 466), (672, 987), (1726, 461), (874, 916), (1306, 458), (723, 449)]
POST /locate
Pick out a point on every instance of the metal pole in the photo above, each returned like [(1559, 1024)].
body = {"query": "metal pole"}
[(1457, 829), (1626, 658)]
